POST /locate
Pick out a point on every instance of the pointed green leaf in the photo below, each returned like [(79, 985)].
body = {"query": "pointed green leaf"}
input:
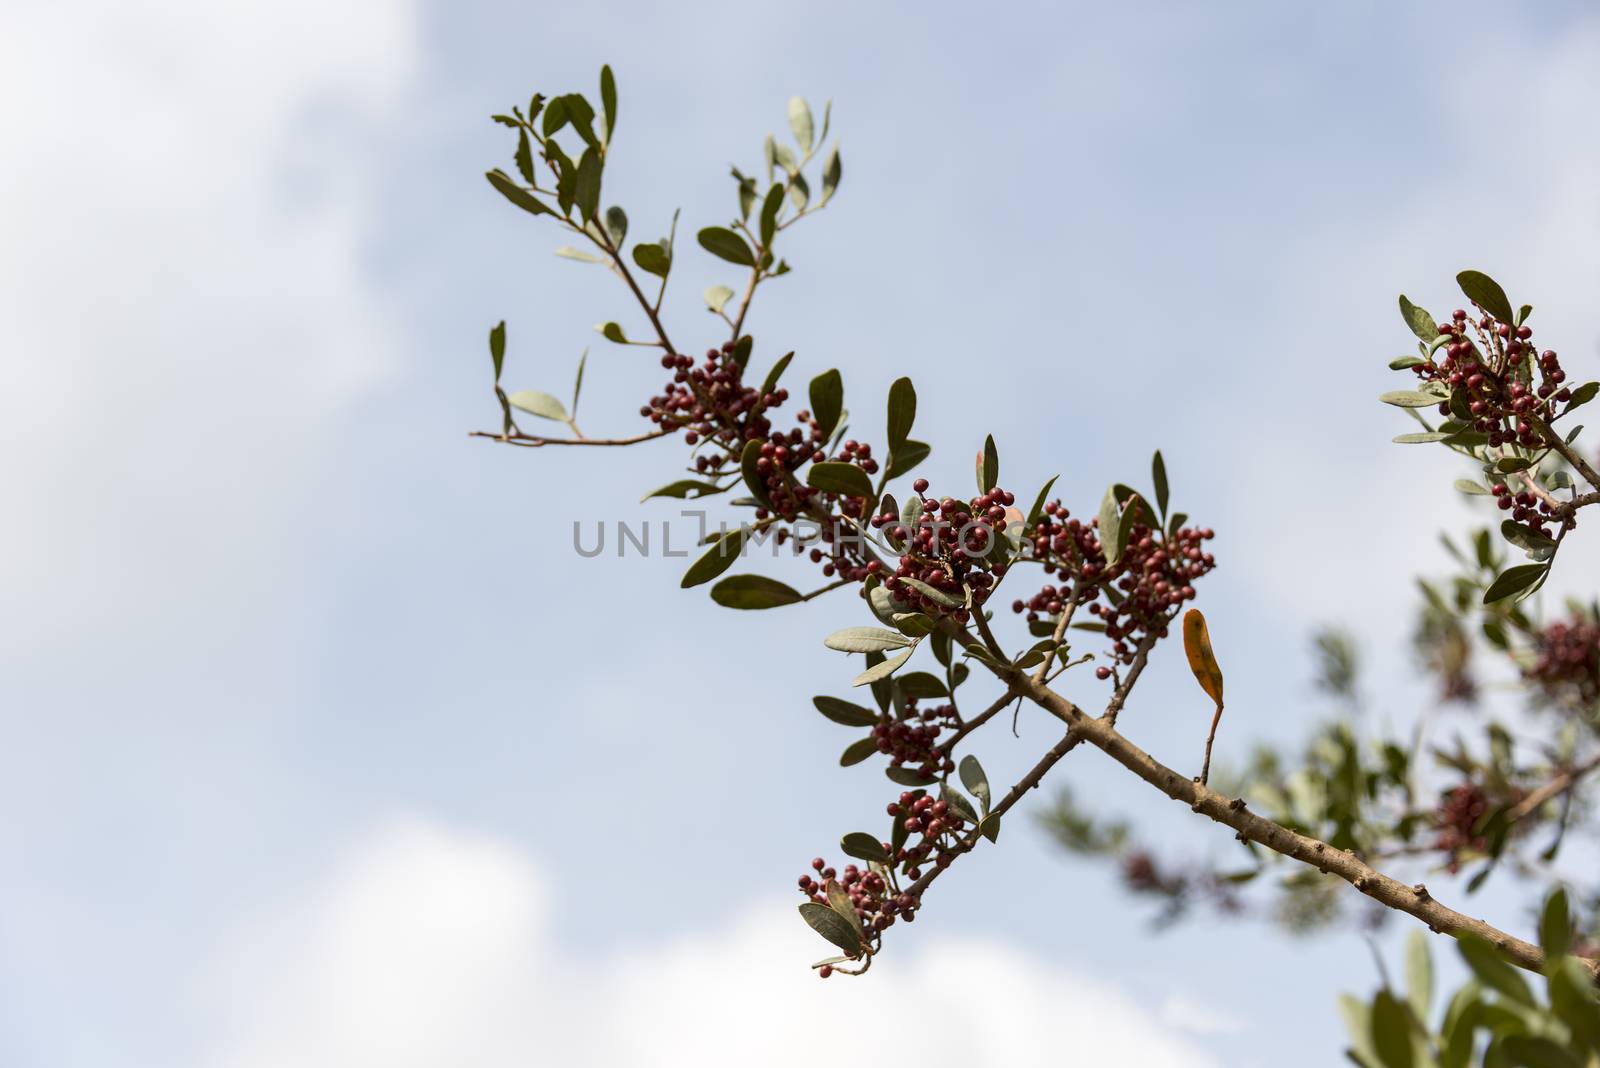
[(882, 671), (839, 477), (864, 846), (541, 404), (976, 782), (518, 195), (800, 122), (827, 401), (1486, 293), (865, 640), (832, 926), (845, 713), (751, 592), (1421, 323), (717, 559), (727, 245), (902, 411)]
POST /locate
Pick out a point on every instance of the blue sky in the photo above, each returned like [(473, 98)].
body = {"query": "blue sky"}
[(322, 746)]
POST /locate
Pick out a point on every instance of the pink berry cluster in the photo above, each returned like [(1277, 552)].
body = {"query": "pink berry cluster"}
[(1527, 509), (912, 740), (938, 827), (1567, 670), (948, 549), (711, 401), (1155, 576), (1459, 819), (876, 904), (1498, 375)]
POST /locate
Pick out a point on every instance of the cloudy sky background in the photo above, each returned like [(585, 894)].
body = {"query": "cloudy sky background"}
[(323, 747)]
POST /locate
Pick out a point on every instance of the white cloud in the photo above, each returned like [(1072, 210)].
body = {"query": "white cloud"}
[(186, 299), (428, 946)]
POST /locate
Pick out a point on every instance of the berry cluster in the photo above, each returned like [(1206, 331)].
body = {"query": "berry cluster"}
[(1460, 818), (1527, 509), (912, 739), (1497, 375), (939, 825), (1568, 667), (711, 401), (877, 906), (1153, 578), (949, 549)]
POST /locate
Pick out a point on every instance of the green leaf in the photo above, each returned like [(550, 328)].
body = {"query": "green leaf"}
[(881, 671), (518, 195), (958, 803), (1492, 970), (1109, 533), (497, 348), (753, 592), (923, 684), (608, 100), (1421, 323), (864, 846), (541, 404), (616, 225), (586, 193), (865, 640), (1405, 363), (749, 469), (727, 245), (1039, 502), (1391, 1031), (1529, 1051), (908, 456), (1582, 395), (832, 171), (1420, 438), (769, 215), (567, 252), (612, 332), (845, 713), (717, 559), (1555, 925), (800, 122), (770, 383), (684, 488), (937, 596), (525, 157), (654, 258), (857, 751), (1419, 974), (1486, 293), (990, 827), (832, 926), (1467, 485), (1158, 476), (1573, 1001), (902, 412), (839, 477), (717, 298), (555, 116), (1512, 580), (1535, 543), (577, 382), (976, 782), (827, 401), (1358, 1024), (988, 465), (908, 777), (581, 116), (1410, 398)]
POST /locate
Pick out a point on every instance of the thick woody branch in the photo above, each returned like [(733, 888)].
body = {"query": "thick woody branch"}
[(1414, 900)]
